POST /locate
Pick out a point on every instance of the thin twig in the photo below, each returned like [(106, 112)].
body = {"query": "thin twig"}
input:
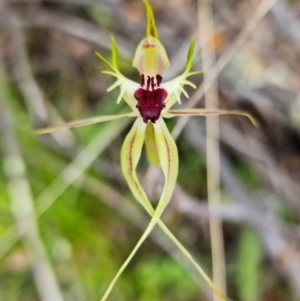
[(264, 163), (73, 171), (206, 32), (246, 210), (24, 213), (261, 10), (34, 97), (288, 22)]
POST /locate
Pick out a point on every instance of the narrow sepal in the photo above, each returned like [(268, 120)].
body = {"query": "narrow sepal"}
[(83, 122), (151, 28), (208, 112), (190, 54), (115, 53), (191, 58)]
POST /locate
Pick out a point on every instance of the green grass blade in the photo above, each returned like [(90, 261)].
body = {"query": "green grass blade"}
[(248, 266)]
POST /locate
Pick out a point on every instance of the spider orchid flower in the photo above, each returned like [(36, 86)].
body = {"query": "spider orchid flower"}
[(150, 101)]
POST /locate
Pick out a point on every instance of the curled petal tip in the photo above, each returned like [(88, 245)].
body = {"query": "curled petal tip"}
[(253, 120)]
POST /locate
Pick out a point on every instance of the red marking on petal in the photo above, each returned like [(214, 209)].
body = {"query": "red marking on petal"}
[(158, 80), (151, 100), (142, 80), (152, 31)]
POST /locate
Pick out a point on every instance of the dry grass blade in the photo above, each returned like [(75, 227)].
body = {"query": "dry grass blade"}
[(24, 213), (72, 172), (206, 32), (260, 11)]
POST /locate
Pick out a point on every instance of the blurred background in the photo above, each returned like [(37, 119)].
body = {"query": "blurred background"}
[(67, 217)]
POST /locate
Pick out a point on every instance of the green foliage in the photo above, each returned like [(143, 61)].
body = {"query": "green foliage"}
[(249, 274), (192, 173), (101, 17), (165, 279), (247, 175)]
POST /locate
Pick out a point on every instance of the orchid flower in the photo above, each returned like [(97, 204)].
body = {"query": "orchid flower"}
[(150, 101)]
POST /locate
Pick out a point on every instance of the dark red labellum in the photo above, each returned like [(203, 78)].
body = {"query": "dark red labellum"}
[(150, 99)]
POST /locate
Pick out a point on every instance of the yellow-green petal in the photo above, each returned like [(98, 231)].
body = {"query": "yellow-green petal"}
[(151, 147), (130, 155), (168, 156)]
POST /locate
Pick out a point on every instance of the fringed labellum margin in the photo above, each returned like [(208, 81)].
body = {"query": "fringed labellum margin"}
[(150, 98), (151, 101)]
